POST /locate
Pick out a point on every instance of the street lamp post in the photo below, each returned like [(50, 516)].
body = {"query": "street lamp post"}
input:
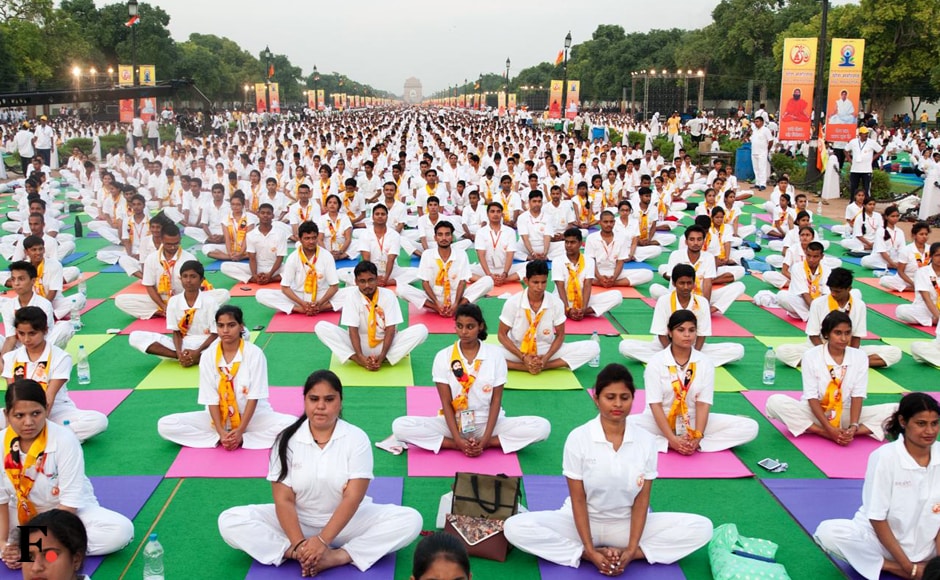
[(245, 101), (316, 91), (507, 74), (564, 82), (267, 79), (111, 75), (132, 11)]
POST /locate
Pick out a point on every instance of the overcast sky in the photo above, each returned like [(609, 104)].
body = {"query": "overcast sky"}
[(381, 42)]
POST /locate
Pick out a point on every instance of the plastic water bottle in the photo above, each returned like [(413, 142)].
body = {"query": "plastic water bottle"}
[(82, 286), (153, 559), (78, 228), (76, 317), (770, 366), (84, 370), (819, 207), (596, 361)]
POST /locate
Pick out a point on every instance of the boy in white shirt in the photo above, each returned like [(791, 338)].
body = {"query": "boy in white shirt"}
[(610, 251), (266, 246), (573, 275), (536, 231), (495, 246)]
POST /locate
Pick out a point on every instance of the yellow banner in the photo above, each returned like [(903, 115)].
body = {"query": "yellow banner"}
[(796, 92), (311, 100), (125, 75), (321, 100), (574, 99), (554, 100), (261, 104), (148, 75), (845, 87), (275, 98), (336, 102), (501, 103), (512, 103)]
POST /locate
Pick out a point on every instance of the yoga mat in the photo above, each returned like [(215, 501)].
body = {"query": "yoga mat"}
[(625, 291), (91, 342), (797, 323), (834, 460), (888, 310), (91, 303), (436, 324), (156, 324), (855, 261), (74, 257), (548, 492), (874, 283), (551, 380), (216, 265), (168, 374), (382, 490), (509, 288), (288, 400), (113, 269), (726, 383), (238, 288), (764, 217), (299, 322), (85, 276), (425, 402), (103, 401), (135, 288), (810, 501), (346, 263), (589, 324), (217, 462), (353, 375)]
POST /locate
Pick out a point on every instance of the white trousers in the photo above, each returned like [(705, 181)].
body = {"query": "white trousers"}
[(412, 243), (108, 531), (62, 305), (110, 254), (142, 307), (374, 531), (720, 353), (792, 354), (665, 239), (416, 296), (635, 276), (85, 424), (143, 339), (644, 253), (602, 302), (242, 272), (761, 168), (337, 340), (853, 245), (102, 228), (722, 296), (775, 279), (927, 352), (199, 234), (194, 429), (873, 261), (914, 314), (794, 304), (736, 271), (514, 432), (722, 431), (277, 300), (553, 536), (798, 417), (518, 269), (556, 250), (575, 354), (60, 334), (894, 282), (858, 545)]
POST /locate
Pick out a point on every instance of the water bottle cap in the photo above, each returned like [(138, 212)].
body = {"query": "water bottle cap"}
[(770, 348), (153, 537)]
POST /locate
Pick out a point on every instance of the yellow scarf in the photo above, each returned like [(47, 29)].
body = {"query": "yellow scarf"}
[(609, 198), (587, 209), (22, 475), (573, 286), (644, 225), (165, 285), (375, 312), (38, 286), (443, 279), (814, 281), (237, 234), (461, 401), (529, 343), (187, 320), (297, 184), (324, 191), (228, 405), (347, 200), (698, 279), (832, 400), (333, 232), (833, 305), (674, 302), (680, 406), (721, 246), (310, 267), (255, 197), (663, 208), (936, 287), (922, 260), (504, 201)]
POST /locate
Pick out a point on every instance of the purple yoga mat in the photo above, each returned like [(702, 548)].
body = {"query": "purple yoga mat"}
[(381, 490), (548, 492), (810, 501)]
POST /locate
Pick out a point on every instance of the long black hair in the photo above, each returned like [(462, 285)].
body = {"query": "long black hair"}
[(284, 437), (910, 405)]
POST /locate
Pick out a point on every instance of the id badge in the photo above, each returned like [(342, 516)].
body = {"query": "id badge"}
[(680, 427), (467, 422)]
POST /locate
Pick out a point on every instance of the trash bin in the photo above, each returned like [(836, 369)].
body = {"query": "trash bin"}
[(743, 168), (598, 133), (559, 125)]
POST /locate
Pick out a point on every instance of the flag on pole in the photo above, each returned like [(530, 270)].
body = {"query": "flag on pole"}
[(560, 58), (271, 70), (134, 20)]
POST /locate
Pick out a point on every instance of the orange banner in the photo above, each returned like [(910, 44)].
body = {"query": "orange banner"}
[(512, 103), (845, 87), (321, 100), (275, 96), (574, 99), (148, 108), (126, 108), (311, 100), (501, 103), (796, 92), (261, 104), (554, 100)]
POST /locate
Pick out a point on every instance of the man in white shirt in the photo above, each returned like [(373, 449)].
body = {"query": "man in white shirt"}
[(762, 140), (266, 246), (45, 140), (536, 231), (496, 245), (23, 142), (860, 152)]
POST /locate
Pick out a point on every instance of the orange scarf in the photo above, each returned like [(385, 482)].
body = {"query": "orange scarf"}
[(375, 312), (443, 279), (237, 234), (165, 285), (573, 285), (228, 404), (310, 267), (38, 286), (466, 380), (832, 400), (814, 281), (23, 475), (680, 406), (529, 343), (187, 320)]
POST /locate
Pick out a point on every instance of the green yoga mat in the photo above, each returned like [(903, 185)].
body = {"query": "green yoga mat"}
[(353, 375)]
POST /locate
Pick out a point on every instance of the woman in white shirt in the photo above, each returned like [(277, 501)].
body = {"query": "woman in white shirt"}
[(45, 469), (889, 241), (470, 376), (319, 471), (336, 230), (852, 212), (895, 530), (925, 310), (680, 387), (911, 258), (610, 465), (56, 552), (233, 385), (866, 228)]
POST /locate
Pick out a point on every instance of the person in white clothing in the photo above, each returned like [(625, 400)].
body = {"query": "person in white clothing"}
[(57, 480), (381, 245), (609, 465), (236, 226), (51, 367), (682, 298), (925, 310), (865, 229), (861, 152), (22, 278), (536, 232), (680, 386), (627, 226), (889, 241), (911, 258), (336, 231), (927, 351), (495, 245), (610, 251), (808, 281), (50, 279), (444, 275), (470, 376), (319, 471), (895, 529), (266, 247), (573, 275), (852, 212), (532, 328), (371, 316), (233, 385), (835, 375), (762, 142)]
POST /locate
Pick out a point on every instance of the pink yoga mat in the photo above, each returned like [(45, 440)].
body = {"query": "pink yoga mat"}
[(589, 324), (834, 460), (155, 324), (424, 401), (85, 276), (797, 323), (874, 283), (510, 288), (625, 291), (300, 322), (764, 217), (287, 400), (103, 401), (237, 290), (888, 310), (721, 325), (91, 303), (217, 462), (134, 288), (436, 324)]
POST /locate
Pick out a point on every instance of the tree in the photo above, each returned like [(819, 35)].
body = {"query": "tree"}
[(154, 44)]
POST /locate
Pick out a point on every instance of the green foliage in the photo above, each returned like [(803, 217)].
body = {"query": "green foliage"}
[(636, 137), (781, 163), (118, 140), (65, 149), (730, 145)]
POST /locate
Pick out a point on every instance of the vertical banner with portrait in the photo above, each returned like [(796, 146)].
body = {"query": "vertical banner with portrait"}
[(125, 75), (462, 101), (574, 99), (796, 89), (126, 108), (148, 108), (261, 104), (501, 103), (321, 100), (845, 87), (275, 96), (554, 99), (148, 75), (311, 100), (512, 103)]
